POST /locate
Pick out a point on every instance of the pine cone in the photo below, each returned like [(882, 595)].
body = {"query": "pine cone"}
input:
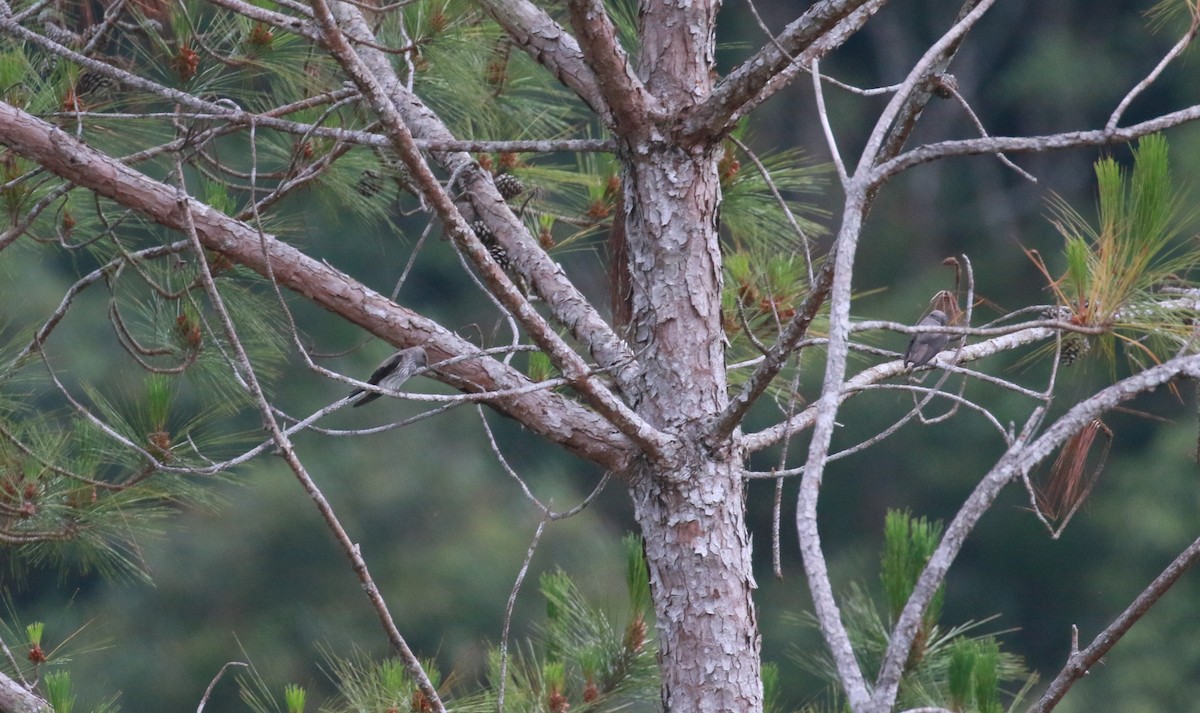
[(500, 255), (370, 183), (509, 186), (481, 231), (94, 82), (1074, 346)]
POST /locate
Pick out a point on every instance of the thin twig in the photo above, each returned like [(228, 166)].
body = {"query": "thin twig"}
[(508, 612), (826, 127), (213, 683), (286, 450), (1149, 79), (950, 88), (777, 505), (783, 205)]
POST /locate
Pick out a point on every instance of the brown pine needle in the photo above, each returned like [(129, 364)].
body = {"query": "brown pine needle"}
[(1070, 480)]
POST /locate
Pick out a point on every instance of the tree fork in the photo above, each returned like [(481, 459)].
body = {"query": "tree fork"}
[(690, 506)]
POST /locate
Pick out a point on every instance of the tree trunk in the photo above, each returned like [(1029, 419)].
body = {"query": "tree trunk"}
[(690, 503), (693, 521)]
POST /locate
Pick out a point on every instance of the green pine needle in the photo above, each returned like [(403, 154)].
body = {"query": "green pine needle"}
[(35, 630), (1115, 265), (294, 697), (963, 653), (58, 691), (908, 544), (637, 576)]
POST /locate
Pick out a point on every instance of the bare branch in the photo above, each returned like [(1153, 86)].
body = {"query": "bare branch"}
[(825, 410), (1031, 144), (917, 89), (805, 419), (897, 119), (549, 44), (1080, 661), (213, 683), (1023, 455), (713, 116), (508, 611), (15, 698), (559, 419), (826, 128), (627, 100), (945, 83), (1141, 86)]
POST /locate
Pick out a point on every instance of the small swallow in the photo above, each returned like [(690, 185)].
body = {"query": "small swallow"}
[(925, 345), (392, 373)]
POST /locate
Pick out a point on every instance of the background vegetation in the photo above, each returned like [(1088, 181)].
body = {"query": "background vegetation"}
[(251, 575)]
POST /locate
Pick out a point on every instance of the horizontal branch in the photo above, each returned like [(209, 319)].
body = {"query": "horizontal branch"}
[(860, 381), (1030, 144), (558, 419)]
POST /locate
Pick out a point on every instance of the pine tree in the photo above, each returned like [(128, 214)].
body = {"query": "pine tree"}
[(173, 158)]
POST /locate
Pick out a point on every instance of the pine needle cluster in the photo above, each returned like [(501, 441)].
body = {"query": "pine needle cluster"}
[(1118, 267), (949, 668), (577, 660)]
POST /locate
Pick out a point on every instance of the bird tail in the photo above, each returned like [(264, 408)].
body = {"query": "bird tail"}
[(366, 398)]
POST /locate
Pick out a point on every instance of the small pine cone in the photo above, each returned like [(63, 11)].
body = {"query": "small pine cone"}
[(370, 183), (590, 691), (481, 231), (94, 83), (635, 635), (1074, 346), (500, 255), (557, 702), (509, 186), (420, 704)]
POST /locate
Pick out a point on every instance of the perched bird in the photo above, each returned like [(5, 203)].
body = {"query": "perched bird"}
[(925, 345), (392, 373)]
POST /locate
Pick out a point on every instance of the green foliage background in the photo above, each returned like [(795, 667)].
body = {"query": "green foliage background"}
[(446, 530)]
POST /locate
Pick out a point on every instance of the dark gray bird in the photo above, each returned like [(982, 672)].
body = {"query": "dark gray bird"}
[(925, 345), (392, 373)]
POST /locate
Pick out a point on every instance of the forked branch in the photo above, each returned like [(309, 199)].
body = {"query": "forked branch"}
[(559, 419)]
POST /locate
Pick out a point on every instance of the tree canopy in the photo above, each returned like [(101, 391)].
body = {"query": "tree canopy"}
[(638, 267)]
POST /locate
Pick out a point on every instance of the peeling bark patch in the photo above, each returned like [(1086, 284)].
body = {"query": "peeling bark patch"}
[(688, 532)]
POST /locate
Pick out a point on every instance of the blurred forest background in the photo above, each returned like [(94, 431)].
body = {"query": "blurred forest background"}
[(256, 577)]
